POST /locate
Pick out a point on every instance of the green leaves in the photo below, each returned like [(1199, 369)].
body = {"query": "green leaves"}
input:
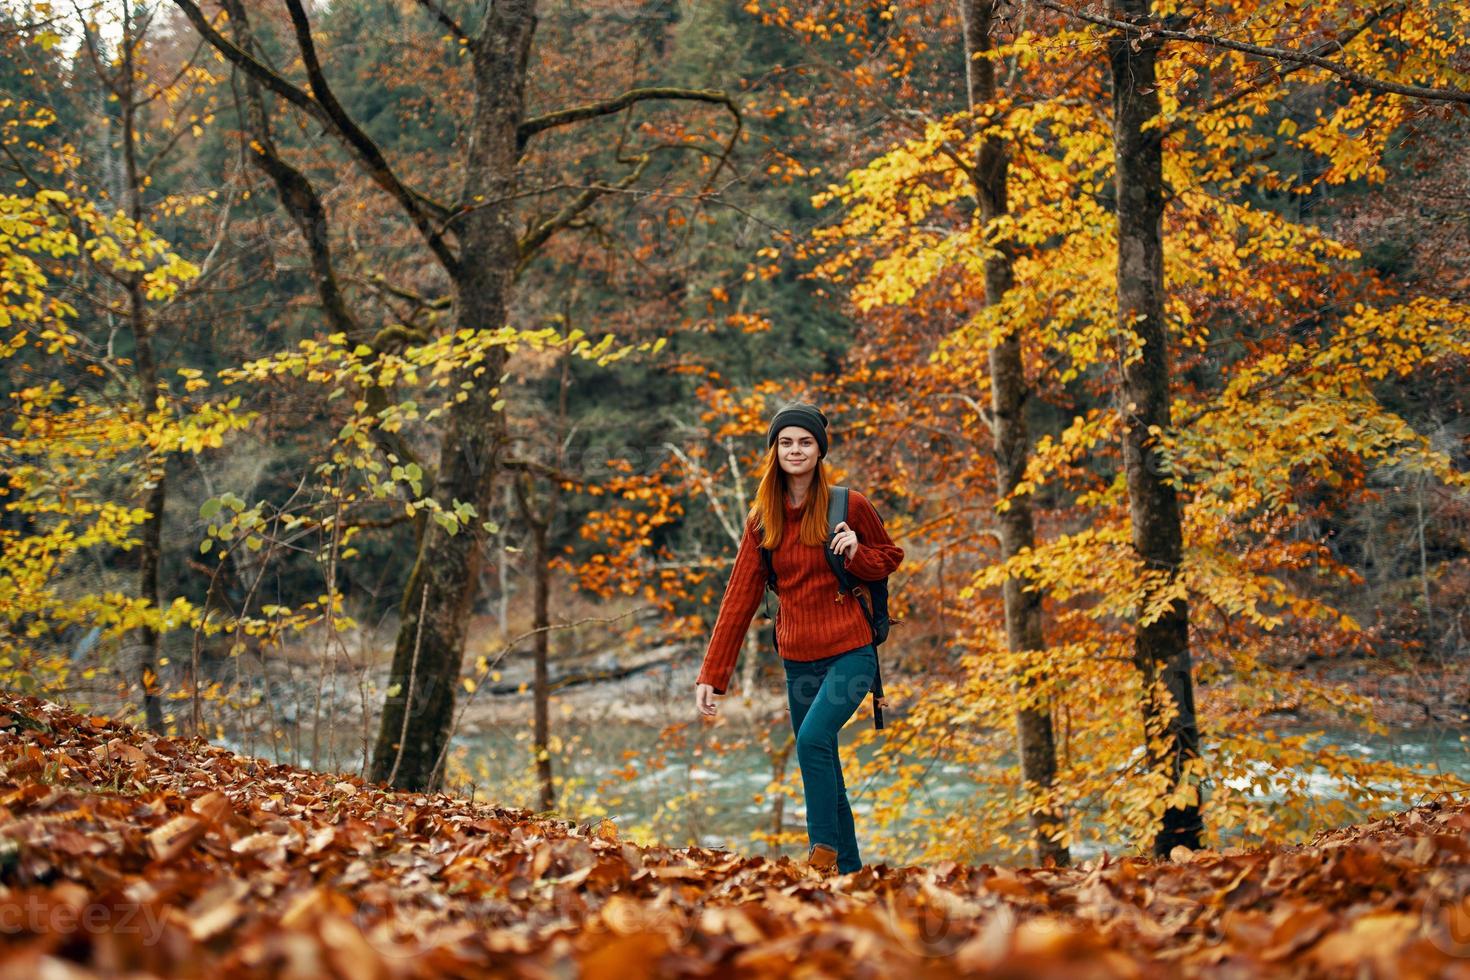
[(212, 507), (412, 473)]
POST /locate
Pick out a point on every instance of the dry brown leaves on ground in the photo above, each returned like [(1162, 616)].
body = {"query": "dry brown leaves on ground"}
[(122, 852)]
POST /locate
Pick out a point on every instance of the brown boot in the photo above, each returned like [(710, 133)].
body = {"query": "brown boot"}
[(822, 859)]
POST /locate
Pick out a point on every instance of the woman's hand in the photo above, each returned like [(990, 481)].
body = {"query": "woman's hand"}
[(844, 540), (704, 699)]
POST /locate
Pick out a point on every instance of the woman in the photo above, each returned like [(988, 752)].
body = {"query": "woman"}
[(822, 635)]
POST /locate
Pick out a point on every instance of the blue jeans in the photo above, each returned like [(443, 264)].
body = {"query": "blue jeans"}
[(822, 695)]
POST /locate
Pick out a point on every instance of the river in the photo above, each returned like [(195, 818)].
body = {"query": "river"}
[(705, 794)]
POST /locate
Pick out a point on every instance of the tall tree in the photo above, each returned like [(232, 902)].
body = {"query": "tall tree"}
[(120, 79), (1161, 631), (150, 106), (480, 245), (1009, 397)]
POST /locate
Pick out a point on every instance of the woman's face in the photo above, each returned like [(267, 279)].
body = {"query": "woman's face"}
[(796, 450)]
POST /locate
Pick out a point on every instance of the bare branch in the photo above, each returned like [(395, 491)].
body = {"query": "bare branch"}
[(1300, 58), (368, 153), (707, 485), (565, 117), (377, 281), (574, 208), (302, 202), (570, 215), (1276, 73), (89, 42), (449, 22), (255, 69), (541, 469), (322, 106), (981, 412)]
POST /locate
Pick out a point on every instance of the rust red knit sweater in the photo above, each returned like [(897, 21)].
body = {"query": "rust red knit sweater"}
[(812, 623)]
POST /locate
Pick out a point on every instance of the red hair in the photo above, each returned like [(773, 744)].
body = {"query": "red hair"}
[(770, 504)]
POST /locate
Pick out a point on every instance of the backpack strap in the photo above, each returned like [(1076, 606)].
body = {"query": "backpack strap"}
[(836, 514), (847, 583)]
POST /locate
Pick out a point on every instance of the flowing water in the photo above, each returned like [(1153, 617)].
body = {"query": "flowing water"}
[(705, 793)]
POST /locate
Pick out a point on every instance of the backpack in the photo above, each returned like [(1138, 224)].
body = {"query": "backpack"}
[(877, 615)]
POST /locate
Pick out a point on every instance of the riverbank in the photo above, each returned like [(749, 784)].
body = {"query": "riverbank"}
[(658, 686), (617, 666)]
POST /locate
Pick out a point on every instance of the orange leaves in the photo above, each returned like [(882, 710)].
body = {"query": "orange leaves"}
[(213, 807), (173, 838), (748, 322), (273, 866), (118, 750)]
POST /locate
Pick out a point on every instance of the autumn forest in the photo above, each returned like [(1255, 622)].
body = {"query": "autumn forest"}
[(384, 389)]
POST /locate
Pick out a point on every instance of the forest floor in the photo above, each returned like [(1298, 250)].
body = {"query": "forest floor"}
[(122, 852)]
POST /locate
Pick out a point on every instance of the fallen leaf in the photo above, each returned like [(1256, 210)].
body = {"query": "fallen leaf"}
[(1377, 937), (216, 909), (214, 807), (117, 750), (175, 837)]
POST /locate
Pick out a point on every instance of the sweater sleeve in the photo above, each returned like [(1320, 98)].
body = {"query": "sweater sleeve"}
[(876, 556), (742, 596)]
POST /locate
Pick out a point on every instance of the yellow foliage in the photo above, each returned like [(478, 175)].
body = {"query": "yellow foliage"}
[(63, 449), (1292, 405)]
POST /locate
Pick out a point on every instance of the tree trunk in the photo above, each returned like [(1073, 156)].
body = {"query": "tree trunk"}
[(541, 740), (779, 762), (502, 575), (1008, 395), (414, 732), (540, 526), (476, 241), (1161, 646), (150, 545)]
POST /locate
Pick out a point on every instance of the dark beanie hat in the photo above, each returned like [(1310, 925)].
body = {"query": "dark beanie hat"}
[(804, 414)]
